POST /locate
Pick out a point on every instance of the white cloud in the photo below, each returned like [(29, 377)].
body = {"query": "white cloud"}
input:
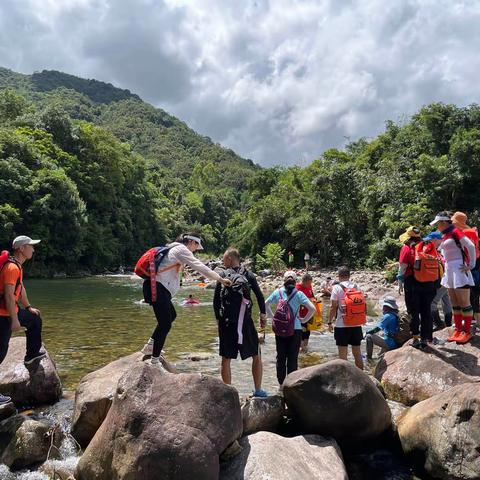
[(278, 81)]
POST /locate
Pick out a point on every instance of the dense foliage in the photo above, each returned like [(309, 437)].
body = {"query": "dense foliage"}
[(97, 202), (350, 206), (100, 175)]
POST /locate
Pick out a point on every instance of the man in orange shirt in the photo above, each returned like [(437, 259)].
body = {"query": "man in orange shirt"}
[(12, 292)]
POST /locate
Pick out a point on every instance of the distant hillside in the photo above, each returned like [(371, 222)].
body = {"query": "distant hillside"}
[(98, 202)]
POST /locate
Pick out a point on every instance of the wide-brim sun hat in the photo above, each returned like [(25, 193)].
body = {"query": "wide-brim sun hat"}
[(440, 217), (410, 232), (459, 219), (290, 274), (389, 302)]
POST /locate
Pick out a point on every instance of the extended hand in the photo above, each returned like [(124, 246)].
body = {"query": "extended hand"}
[(263, 320), (330, 328), (35, 311), (226, 282)]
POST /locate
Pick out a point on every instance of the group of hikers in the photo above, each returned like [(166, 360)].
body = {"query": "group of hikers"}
[(434, 269)]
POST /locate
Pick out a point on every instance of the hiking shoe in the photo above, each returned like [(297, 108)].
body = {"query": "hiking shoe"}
[(260, 393), (464, 337), (4, 399), (454, 337), (155, 362), (30, 360), (416, 343), (438, 341)]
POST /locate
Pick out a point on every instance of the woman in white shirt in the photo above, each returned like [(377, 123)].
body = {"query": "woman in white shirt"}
[(168, 284)]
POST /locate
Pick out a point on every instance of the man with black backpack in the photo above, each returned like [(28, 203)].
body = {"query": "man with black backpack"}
[(12, 292), (233, 310)]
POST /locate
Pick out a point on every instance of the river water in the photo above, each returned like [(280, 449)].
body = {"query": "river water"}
[(90, 322)]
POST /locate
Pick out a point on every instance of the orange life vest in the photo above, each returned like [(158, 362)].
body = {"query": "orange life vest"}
[(426, 267), (354, 307)]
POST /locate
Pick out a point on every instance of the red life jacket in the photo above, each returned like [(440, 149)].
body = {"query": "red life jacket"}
[(472, 234)]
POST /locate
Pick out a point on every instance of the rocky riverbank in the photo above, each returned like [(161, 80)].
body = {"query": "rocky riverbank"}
[(419, 418)]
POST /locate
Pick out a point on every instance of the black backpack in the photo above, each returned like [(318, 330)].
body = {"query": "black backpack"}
[(231, 297)]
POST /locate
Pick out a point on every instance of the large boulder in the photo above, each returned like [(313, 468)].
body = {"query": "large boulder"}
[(338, 400), (35, 384), (266, 455), (262, 414), (31, 444), (163, 426), (409, 375), (442, 434), (94, 396), (7, 410)]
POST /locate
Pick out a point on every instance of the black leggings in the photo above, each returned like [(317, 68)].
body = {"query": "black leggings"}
[(165, 314), (287, 354), (33, 333), (422, 320), (410, 303)]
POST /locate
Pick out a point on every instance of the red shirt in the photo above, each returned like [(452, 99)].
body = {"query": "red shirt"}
[(308, 291), (407, 255)]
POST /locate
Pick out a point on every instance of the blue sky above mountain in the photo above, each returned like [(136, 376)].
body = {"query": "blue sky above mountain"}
[(277, 81)]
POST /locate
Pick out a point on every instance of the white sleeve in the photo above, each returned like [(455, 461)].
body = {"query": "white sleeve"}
[(472, 255), (185, 256), (311, 311)]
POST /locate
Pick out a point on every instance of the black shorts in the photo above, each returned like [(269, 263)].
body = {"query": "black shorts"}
[(228, 336), (305, 334), (345, 336)]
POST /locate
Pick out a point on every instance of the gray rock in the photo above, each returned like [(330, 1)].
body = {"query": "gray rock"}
[(338, 400), (397, 409), (442, 434), (268, 456), (35, 384), (94, 396), (7, 410), (164, 426), (409, 375), (31, 444), (262, 414)]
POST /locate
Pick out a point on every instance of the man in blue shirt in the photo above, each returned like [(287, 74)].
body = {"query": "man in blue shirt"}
[(389, 325)]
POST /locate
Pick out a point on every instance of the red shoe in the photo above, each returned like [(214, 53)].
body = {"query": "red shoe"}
[(464, 337), (455, 336)]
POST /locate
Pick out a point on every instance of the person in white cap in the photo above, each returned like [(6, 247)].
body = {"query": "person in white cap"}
[(13, 292), (168, 284), (460, 257), (289, 347), (389, 325)]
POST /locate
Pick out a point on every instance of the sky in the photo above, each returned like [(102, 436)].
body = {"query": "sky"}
[(277, 81)]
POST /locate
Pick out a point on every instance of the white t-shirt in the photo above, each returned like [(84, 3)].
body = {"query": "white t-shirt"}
[(338, 295), (306, 256)]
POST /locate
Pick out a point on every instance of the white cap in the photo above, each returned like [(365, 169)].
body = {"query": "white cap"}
[(23, 240), (195, 239), (290, 274), (440, 218)]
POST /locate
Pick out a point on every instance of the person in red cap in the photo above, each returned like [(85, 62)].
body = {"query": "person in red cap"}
[(13, 292)]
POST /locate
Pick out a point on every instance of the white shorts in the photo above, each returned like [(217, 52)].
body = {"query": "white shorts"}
[(454, 277)]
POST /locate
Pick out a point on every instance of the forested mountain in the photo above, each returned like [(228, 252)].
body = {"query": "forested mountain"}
[(138, 175), (100, 175)]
